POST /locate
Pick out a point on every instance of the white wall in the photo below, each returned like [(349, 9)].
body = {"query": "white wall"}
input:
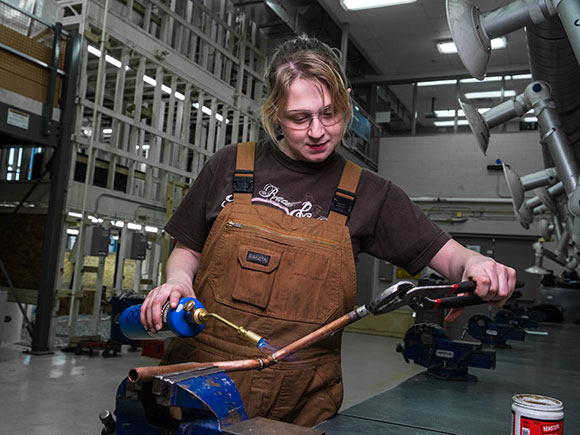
[(452, 165)]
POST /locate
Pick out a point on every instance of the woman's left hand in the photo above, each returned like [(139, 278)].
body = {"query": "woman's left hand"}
[(495, 281)]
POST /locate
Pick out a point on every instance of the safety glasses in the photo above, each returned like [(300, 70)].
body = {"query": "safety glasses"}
[(302, 119)]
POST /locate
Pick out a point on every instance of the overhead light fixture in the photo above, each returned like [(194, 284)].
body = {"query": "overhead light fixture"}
[(357, 5), (151, 229), (72, 231), (487, 79), (498, 43), (447, 113), (489, 94), (522, 77), (208, 111), (437, 82), (134, 226), (450, 123), (449, 47), (149, 80), (110, 59), (450, 113)]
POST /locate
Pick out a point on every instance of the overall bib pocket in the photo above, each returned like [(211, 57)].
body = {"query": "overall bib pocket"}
[(259, 271), (256, 266)]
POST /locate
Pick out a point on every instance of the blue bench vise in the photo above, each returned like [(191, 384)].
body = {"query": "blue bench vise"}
[(429, 346), (487, 331), (205, 400), (520, 317)]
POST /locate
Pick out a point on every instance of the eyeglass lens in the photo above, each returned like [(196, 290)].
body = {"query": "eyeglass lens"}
[(302, 120)]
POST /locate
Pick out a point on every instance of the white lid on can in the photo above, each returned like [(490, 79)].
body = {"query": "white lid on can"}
[(535, 401)]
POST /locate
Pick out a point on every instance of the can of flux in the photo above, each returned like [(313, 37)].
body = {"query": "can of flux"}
[(176, 322), (537, 415)]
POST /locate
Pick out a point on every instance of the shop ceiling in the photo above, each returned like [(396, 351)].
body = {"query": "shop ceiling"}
[(388, 44)]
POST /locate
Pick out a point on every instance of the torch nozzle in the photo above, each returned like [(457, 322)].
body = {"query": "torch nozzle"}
[(201, 315)]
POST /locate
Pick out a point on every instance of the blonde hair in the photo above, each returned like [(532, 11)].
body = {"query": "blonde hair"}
[(309, 59)]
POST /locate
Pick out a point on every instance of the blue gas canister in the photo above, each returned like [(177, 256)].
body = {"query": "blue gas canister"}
[(177, 322)]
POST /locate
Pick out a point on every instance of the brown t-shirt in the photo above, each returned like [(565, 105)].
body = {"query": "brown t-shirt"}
[(384, 222)]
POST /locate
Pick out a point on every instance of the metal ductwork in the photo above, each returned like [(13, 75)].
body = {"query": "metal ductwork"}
[(553, 61)]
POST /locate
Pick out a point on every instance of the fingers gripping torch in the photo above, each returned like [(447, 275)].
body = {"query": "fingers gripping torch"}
[(187, 320)]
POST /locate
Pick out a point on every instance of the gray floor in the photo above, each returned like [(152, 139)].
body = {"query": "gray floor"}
[(64, 393)]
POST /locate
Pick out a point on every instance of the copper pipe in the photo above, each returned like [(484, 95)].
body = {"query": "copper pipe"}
[(147, 373)]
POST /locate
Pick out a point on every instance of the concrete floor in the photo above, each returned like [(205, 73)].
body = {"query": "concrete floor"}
[(64, 393)]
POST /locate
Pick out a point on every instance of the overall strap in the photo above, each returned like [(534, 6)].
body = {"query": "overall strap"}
[(343, 199), (243, 180)]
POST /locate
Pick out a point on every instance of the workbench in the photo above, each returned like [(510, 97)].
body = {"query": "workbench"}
[(542, 364)]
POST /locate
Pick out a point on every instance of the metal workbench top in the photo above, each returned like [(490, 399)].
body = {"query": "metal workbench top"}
[(546, 365)]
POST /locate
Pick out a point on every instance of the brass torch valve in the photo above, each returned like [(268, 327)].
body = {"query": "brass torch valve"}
[(201, 316)]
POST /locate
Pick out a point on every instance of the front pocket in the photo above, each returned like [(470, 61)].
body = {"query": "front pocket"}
[(255, 275), (279, 275), (303, 285)]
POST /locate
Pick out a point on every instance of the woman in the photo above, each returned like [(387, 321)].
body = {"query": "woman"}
[(270, 233)]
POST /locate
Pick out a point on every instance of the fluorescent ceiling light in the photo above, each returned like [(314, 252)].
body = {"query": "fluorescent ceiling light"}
[(450, 123), (133, 226), (489, 94), (151, 229), (450, 113), (531, 119), (437, 82), (72, 231), (520, 77), (207, 111), (498, 43), (118, 224), (107, 130), (357, 5), (75, 214), (487, 79), (449, 47), (149, 80), (109, 59)]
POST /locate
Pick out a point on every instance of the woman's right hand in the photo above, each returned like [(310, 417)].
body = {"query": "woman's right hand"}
[(181, 267), (172, 290)]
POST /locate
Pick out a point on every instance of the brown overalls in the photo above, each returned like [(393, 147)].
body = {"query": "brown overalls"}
[(281, 277)]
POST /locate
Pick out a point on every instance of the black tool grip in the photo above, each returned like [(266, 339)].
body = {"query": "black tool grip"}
[(469, 286), (467, 300)]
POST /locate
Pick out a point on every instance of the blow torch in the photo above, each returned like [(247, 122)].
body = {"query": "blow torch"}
[(187, 320)]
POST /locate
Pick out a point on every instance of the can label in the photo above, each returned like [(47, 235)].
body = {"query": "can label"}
[(531, 426)]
